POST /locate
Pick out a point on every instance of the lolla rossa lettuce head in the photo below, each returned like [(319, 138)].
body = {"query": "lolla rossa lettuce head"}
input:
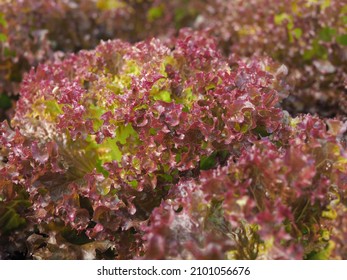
[(171, 151)]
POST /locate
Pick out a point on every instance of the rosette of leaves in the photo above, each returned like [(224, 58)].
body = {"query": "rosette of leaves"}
[(309, 36), (102, 137)]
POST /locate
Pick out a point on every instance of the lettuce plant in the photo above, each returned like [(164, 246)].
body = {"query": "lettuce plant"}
[(169, 150)]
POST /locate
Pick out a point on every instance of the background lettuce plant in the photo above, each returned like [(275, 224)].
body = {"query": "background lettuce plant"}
[(168, 149), (308, 36)]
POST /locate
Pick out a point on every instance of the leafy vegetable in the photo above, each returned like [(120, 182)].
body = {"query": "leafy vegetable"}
[(191, 158)]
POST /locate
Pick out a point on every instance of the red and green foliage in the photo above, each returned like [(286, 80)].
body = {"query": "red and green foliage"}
[(168, 150), (276, 199), (32, 32), (308, 36)]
